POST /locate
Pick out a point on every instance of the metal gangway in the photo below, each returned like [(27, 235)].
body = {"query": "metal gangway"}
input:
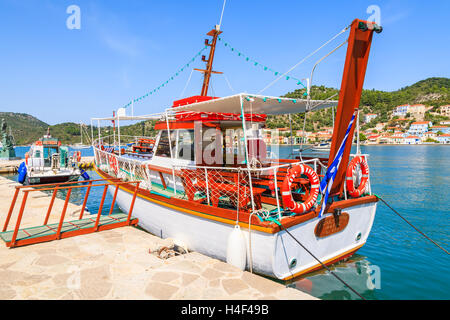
[(64, 229)]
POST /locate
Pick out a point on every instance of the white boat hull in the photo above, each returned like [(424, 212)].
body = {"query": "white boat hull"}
[(271, 253)]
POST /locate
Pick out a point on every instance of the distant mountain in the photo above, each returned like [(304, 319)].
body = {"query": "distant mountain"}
[(24, 127)]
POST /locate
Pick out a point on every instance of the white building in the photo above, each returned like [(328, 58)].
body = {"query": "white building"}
[(401, 111), (369, 117), (445, 138), (412, 140), (419, 128), (445, 110)]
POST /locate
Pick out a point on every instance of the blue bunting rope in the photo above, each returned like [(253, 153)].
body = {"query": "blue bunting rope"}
[(168, 80), (257, 64)]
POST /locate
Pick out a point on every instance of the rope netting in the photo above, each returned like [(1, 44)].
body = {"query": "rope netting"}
[(214, 186)]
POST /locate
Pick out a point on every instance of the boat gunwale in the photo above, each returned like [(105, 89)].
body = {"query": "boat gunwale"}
[(228, 216)]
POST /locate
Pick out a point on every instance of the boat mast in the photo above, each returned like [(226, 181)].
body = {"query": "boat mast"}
[(214, 33), (358, 49)]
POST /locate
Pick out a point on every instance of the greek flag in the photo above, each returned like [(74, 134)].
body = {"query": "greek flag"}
[(327, 181)]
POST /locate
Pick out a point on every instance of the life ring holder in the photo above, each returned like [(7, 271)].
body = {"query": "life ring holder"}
[(286, 192), (351, 188)]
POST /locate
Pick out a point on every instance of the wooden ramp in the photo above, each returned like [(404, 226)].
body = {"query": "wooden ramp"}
[(69, 229), (66, 229)]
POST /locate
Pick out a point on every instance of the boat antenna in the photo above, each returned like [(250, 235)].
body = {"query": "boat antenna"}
[(221, 15), (214, 33)]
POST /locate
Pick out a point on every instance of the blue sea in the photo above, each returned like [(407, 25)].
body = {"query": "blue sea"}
[(396, 262)]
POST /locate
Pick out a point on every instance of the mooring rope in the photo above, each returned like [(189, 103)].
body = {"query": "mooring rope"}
[(423, 234), (318, 260)]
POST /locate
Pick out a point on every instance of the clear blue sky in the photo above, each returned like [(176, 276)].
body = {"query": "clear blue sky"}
[(126, 48)]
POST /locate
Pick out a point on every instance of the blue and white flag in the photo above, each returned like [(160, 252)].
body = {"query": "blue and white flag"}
[(327, 181)]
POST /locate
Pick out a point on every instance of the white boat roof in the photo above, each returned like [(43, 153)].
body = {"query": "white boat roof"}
[(252, 103), (256, 104), (137, 118)]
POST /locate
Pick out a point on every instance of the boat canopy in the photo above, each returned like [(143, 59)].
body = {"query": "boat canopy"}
[(136, 118), (256, 104)]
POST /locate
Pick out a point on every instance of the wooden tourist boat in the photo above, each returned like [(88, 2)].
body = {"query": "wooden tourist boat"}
[(210, 185)]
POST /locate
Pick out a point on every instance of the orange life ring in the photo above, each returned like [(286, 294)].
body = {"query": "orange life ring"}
[(286, 193), (78, 156), (352, 190), (113, 164)]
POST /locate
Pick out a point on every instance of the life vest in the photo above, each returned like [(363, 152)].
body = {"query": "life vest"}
[(351, 189), (27, 155), (286, 192)]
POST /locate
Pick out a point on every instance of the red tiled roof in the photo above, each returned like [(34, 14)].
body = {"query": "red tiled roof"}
[(412, 137), (421, 122)]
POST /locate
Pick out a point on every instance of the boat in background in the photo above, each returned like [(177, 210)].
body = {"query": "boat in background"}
[(323, 146), (49, 162), (80, 145)]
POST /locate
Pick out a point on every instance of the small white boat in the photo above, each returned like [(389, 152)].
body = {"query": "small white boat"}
[(323, 146), (49, 162)]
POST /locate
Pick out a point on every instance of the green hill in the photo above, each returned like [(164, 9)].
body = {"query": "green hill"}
[(430, 92), (24, 127)]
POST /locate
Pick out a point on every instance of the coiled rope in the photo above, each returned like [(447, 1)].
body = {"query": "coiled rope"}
[(404, 219)]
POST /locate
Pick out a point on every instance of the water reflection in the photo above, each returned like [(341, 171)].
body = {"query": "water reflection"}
[(357, 272)]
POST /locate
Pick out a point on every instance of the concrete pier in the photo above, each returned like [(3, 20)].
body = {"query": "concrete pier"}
[(116, 264)]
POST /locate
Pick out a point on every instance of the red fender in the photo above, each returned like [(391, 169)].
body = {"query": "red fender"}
[(361, 161), (286, 192)]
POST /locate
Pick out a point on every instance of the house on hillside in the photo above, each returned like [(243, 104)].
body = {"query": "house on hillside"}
[(400, 111), (417, 110), (428, 135), (419, 128), (396, 139), (412, 140), (445, 138), (373, 139), (369, 117), (443, 129), (445, 110)]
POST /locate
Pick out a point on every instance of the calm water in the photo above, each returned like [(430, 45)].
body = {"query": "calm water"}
[(415, 180)]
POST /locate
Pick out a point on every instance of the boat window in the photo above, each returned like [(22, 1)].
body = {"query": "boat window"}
[(37, 154), (185, 145), (163, 149), (48, 152)]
